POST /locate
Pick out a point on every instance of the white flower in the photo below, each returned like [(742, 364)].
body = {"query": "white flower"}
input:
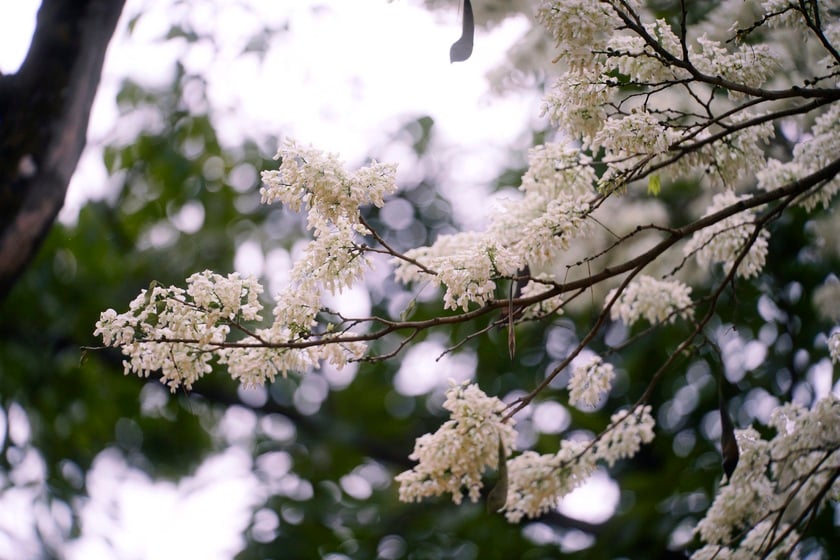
[(544, 307), (626, 139), (576, 103), (826, 299), (310, 177), (177, 331), (624, 437), (744, 500), (590, 381), (727, 162), (725, 240), (654, 300), (537, 482), (749, 65), (834, 347), (254, 366), (222, 297), (466, 264), (776, 480), (633, 57), (578, 26), (453, 458), (333, 259), (558, 169), (809, 156), (781, 13)]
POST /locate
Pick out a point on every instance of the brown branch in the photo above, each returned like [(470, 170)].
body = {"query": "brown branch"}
[(633, 23)]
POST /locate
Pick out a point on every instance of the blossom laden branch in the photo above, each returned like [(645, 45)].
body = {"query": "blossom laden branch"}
[(637, 99)]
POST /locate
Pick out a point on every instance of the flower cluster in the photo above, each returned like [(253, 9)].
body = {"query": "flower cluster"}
[(180, 331), (656, 301), (557, 188), (630, 141), (728, 162), (578, 26), (826, 299), (651, 128), (557, 170), (453, 458), (331, 194), (776, 484), (544, 307), (176, 331), (590, 381), (724, 241), (635, 58), (537, 482), (467, 263), (576, 103), (749, 65), (813, 153), (834, 347), (628, 430)]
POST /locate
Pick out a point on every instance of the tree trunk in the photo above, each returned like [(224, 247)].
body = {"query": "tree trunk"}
[(44, 112)]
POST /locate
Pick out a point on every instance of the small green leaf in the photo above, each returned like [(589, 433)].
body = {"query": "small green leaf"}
[(147, 298), (409, 309), (654, 185)]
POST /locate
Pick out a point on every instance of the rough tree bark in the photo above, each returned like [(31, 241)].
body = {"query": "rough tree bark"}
[(44, 112)]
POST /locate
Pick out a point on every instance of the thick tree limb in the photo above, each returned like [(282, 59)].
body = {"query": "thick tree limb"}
[(44, 112)]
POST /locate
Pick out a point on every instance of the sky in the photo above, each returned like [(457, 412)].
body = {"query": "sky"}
[(342, 77)]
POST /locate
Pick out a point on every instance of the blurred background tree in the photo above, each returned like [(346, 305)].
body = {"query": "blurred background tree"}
[(317, 454)]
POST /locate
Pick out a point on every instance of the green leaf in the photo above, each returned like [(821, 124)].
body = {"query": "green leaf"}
[(654, 185)]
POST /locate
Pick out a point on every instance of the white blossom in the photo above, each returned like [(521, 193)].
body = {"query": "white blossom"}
[(749, 65), (576, 103), (589, 381), (624, 437), (318, 181), (539, 227), (558, 169), (826, 299), (536, 483), (541, 240), (656, 301), (453, 459), (834, 347), (544, 307), (776, 482), (466, 263), (723, 241), (788, 13), (809, 156), (631, 140), (578, 26), (635, 58), (176, 331), (333, 259), (735, 159)]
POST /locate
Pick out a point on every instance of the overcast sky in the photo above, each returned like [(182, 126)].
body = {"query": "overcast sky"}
[(343, 76)]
